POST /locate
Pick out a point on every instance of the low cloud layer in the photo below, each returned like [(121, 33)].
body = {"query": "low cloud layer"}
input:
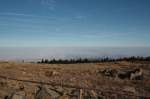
[(35, 53)]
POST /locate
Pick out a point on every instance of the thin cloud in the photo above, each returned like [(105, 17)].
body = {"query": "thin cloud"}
[(79, 17), (102, 35), (25, 15), (50, 4), (18, 14)]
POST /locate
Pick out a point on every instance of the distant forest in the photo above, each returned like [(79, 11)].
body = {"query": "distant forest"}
[(87, 60)]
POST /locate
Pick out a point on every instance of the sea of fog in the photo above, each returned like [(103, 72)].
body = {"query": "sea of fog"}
[(36, 53)]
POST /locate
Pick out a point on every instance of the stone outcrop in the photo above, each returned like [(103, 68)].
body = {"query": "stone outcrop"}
[(124, 73), (42, 94), (131, 74), (107, 72), (137, 75), (16, 95)]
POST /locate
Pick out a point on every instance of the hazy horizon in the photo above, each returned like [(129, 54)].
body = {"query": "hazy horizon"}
[(36, 53)]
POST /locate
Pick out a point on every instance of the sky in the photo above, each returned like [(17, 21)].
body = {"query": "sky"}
[(47, 23)]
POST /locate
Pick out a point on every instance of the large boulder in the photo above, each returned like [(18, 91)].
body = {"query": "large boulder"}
[(16, 95), (123, 73), (129, 73), (137, 75), (109, 72), (75, 94), (42, 94), (47, 93)]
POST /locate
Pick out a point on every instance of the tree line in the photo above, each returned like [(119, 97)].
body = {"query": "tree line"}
[(87, 60)]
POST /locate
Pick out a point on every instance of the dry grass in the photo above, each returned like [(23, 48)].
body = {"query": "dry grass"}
[(84, 75)]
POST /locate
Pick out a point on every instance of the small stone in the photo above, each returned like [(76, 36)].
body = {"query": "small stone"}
[(64, 97), (51, 73), (129, 89), (17, 97), (21, 86)]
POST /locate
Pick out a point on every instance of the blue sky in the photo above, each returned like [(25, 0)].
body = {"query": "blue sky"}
[(75, 23)]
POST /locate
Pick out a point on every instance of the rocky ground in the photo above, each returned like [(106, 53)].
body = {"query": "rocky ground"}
[(111, 80)]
